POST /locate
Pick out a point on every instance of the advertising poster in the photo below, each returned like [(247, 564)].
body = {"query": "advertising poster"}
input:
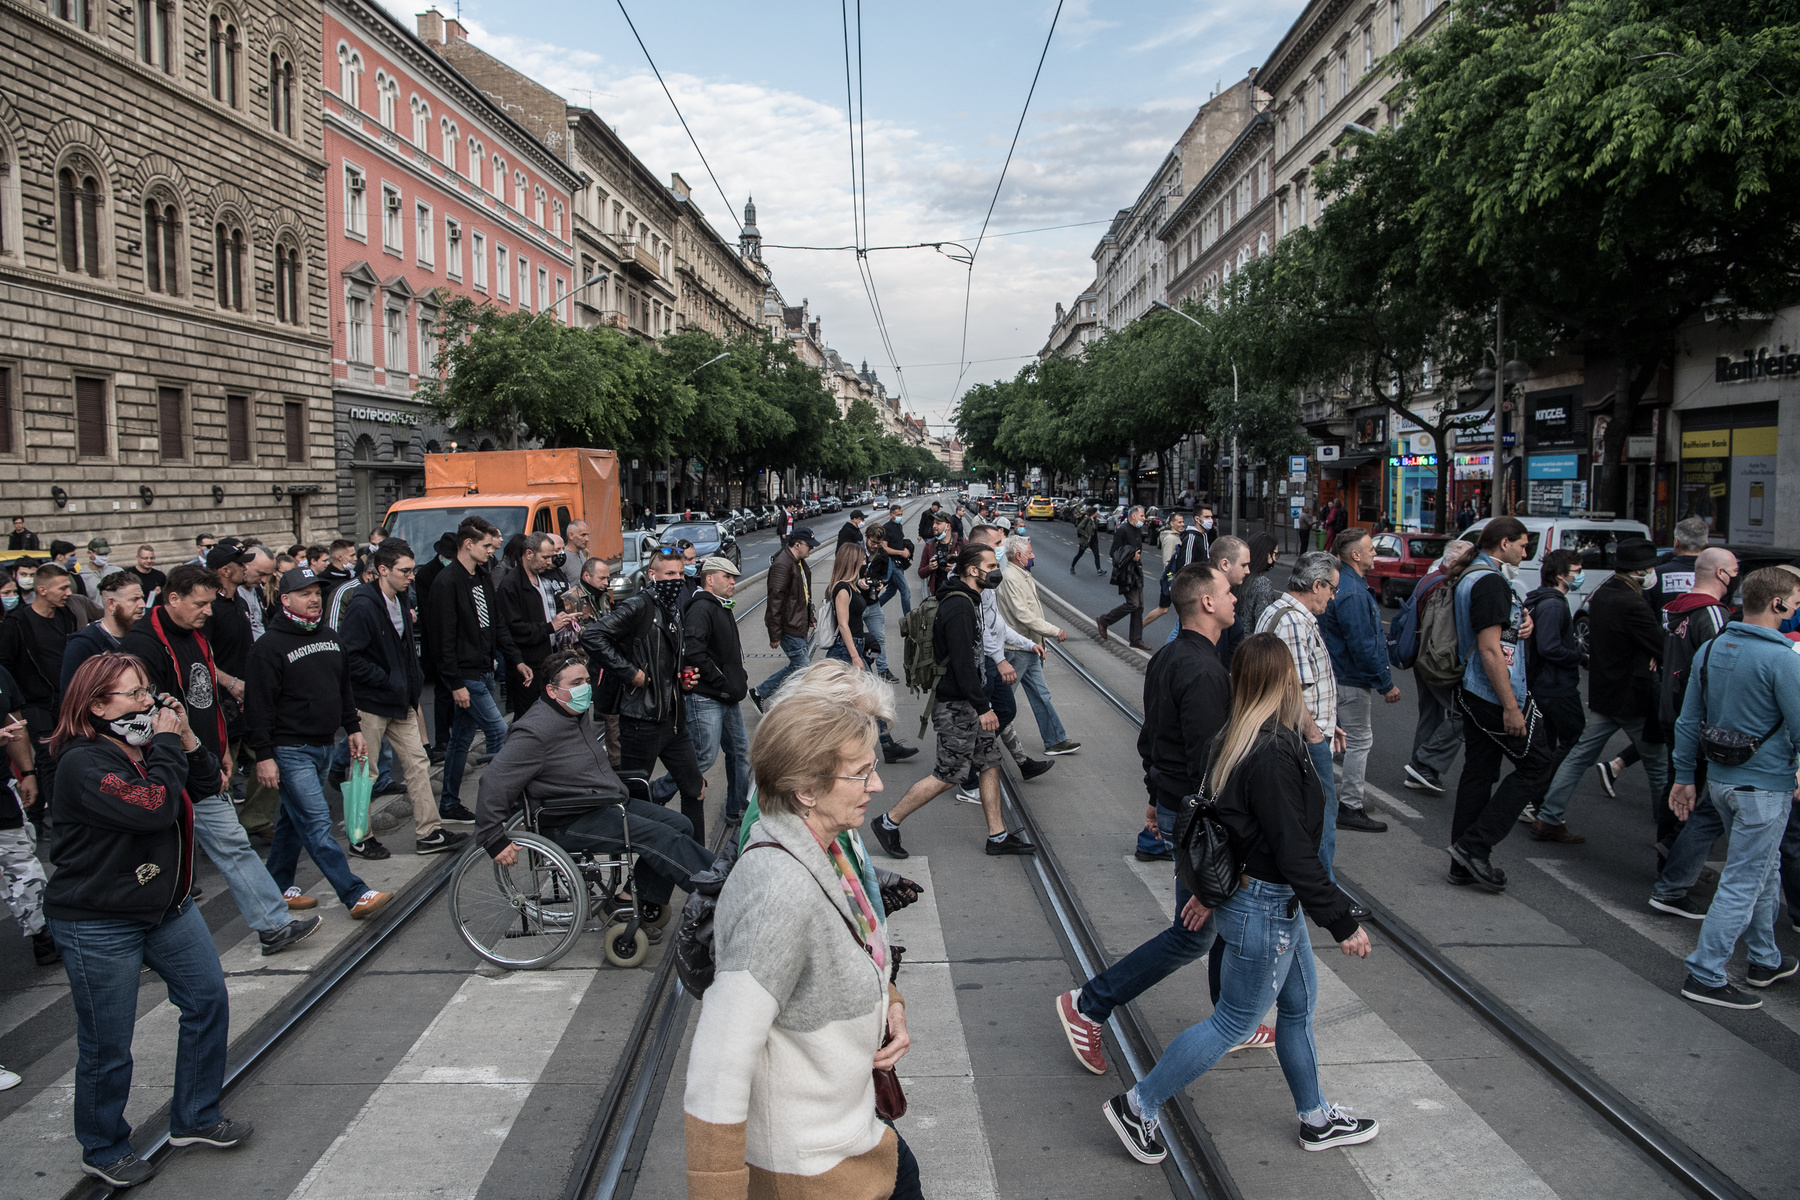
[(1752, 511)]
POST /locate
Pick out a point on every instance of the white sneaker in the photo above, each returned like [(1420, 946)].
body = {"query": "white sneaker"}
[(1529, 815), (8, 1079), (969, 795)]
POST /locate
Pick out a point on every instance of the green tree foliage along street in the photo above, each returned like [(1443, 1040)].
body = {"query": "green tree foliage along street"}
[(1610, 169)]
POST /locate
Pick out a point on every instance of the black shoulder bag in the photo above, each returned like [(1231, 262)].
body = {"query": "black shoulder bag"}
[(1727, 747), (1204, 861)]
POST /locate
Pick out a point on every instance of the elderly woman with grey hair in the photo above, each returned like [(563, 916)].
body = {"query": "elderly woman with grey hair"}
[(1438, 735), (780, 1097)]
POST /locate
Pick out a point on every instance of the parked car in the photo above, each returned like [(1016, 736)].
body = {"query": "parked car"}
[(1596, 538), (628, 576), (1400, 560), (709, 538)]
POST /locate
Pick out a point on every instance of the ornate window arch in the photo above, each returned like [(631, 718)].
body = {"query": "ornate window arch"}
[(281, 90), (84, 246), (165, 241), (11, 225), (290, 279), (225, 58), (477, 152), (421, 124), (556, 218), (541, 203), (231, 260), (519, 190), (158, 34), (500, 179), (387, 98), (350, 69), (449, 131)]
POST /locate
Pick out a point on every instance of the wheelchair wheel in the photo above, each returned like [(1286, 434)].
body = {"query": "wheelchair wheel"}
[(622, 951), (663, 913), (524, 916)]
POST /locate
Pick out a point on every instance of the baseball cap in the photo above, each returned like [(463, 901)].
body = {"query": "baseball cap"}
[(716, 562), (803, 534), (99, 545), (857, 514), (296, 579), (226, 551)]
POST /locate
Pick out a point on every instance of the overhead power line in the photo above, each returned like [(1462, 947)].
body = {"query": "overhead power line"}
[(732, 213)]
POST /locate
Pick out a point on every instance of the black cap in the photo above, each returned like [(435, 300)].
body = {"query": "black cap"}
[(857, 514), (227, 551), (297, 578), (803, 534), (1634, 554)]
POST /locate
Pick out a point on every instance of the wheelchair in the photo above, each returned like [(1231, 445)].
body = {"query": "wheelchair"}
[(526, 916)]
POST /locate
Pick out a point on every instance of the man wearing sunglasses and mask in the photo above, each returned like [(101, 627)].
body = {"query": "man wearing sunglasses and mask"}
[(531, 603), (639, 646)]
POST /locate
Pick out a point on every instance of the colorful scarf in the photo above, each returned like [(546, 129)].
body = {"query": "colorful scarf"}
[(850, 881)]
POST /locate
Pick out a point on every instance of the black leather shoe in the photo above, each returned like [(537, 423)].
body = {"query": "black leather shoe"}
[(1359, 821), (889, 838), (1031, 768), (1014, 844), (1485, 873), (894, 752)]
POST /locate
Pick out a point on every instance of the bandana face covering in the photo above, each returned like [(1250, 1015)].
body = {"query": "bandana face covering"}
[(297, 619), (134, 728), (665, 592)]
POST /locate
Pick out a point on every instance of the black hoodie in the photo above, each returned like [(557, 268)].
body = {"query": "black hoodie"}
[(1553, 666), (956, 642), (186, 669), (297, 691)]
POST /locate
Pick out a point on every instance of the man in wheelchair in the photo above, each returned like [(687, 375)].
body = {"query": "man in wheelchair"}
[(556, 753)]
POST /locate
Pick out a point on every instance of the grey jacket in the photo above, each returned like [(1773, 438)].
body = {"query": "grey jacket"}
[(550, 755)]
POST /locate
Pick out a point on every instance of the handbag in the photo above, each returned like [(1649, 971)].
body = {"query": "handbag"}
[(1727, 747), (1203, 859), (890, 1098)]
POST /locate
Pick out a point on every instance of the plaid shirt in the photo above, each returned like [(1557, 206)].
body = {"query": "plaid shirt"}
[(1290, 621)]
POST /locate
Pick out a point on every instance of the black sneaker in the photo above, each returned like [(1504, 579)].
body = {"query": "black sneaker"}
[(1031, 768), (1484, 872), (224, 1135), (756, 699), (1141, 1138), (1357, 820), (370, 849), (1681, 906), (121, 1173), (1012, 843), (456, 814), (43, 949), (1607, 778), (435, 756), (1421, 780), (888, 676), (894, 752), (1155, 855), (889, 838), (1063, 747), (1762, 977), (441, 841), (1719, 997), (274, 941), (1340, 1129)]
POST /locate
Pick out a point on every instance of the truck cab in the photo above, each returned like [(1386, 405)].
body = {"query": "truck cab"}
[(517, 491)]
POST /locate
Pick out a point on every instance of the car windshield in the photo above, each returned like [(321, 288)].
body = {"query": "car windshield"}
[(1426, 547), (635, 547), (697, 533), (420, 528)]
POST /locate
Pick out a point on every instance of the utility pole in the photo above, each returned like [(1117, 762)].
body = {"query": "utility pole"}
[(1501, 423)]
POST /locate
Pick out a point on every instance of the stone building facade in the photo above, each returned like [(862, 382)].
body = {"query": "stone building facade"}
[(1073, 329), (719, 287), (164, 364), (1226, 219)]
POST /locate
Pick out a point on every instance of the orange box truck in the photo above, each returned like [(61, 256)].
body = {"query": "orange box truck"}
[(517, 491)]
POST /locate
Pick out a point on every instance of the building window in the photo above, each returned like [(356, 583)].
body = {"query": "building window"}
[(281, 95), (393, 347), (422, 238), (478, 256), (449, 131), (228, 263), (91, 440), (453, 256), (1368, 40), (1300, 201), (7, 445), (237, 428), (80, 205), (556, 218), (169, 424), (1284, 134), (1319, 96), (1299, 114), (428, 348), (1262, 243), (356, 196), (475, 156), (387, 94), (1394, 19), (393, 225), (350, 69), (499, 179), (421, 114), (293, 430), (155, 25), (524, 282), (501, 286), (542, 209), (519, 191), (562, 297), (1426, 8), (162, 243), (287, 284), (75, 12), (225, 62), (1343, 74), (543, 288), (356, 329)]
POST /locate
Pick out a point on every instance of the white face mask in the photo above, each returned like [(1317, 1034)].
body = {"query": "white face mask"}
[(134, 728), (1206, 522), (1510, 570)]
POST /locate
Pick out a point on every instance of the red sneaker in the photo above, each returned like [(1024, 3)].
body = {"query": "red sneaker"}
[(1084, 1035), (1263, 1038)]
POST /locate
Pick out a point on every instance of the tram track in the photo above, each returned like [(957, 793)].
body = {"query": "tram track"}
[(1633, 1122)]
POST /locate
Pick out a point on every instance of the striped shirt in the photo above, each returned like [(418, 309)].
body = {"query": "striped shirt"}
[(1289, 620)]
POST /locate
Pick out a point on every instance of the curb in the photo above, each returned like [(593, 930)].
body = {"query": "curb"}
[(1079, 620)]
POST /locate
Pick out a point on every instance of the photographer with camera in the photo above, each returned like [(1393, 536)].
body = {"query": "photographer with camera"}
[(937, 559)]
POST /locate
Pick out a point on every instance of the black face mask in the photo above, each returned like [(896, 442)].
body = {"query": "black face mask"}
[(558, 559), (665, 592), (991, 580)]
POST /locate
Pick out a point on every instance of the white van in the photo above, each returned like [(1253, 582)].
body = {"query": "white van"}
[(1597, 538)]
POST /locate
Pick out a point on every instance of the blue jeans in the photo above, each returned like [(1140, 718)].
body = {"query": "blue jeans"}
[(218, 832), (103, 960), (384, 762), (1749, 888), (1268, 957), (1164, 837), (1037, 694), (875, 625), (1586, 753), (1688, 855), (897, 583), (1148, 965), (305, 819), (483, 710), (1321, 761), (713, 724), (796, 650)]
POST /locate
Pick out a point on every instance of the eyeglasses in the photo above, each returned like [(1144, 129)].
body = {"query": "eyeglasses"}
[(667, 551), (863, 779), (138, 693)]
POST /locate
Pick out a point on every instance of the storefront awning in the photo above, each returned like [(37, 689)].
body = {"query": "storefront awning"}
[(1349, 462)]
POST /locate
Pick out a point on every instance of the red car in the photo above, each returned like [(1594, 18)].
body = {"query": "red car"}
[(1401, 560)]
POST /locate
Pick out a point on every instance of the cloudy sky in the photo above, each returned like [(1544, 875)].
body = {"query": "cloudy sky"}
[(763, 88)]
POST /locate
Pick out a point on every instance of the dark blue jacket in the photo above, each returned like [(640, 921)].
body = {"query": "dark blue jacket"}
[(1553, 666), (1353, 634), (81, 646), (384, 670)]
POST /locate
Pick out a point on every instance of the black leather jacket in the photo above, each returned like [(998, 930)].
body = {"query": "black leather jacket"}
[(639, 636)]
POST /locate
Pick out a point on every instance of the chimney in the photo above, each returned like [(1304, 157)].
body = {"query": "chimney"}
[(679, 185), (453, 28), (431, 27)]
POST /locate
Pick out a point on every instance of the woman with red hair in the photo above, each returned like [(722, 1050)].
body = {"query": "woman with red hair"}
[(118, 901)]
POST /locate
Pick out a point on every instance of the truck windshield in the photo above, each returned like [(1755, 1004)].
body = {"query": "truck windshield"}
[(420, 528)]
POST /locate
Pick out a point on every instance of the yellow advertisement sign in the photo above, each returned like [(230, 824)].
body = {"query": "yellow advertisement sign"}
[(1760, 442), (1706, 443)]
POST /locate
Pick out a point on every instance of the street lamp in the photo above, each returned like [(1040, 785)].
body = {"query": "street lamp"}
[(598, 277), (1236, 490)]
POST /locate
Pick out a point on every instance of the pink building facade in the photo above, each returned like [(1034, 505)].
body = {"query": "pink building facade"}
[(430, 189)]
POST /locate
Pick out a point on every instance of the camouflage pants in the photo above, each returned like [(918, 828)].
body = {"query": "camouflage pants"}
[(22, 876)]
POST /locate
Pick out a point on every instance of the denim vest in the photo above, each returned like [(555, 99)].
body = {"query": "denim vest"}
[(1475, 678)]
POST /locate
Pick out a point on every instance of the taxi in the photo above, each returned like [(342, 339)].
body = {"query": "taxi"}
[(1040, 509)]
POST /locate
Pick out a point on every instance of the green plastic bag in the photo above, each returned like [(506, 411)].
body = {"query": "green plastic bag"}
[(358, 789)]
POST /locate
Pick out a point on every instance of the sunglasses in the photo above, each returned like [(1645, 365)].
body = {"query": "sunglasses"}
[(668, 551)]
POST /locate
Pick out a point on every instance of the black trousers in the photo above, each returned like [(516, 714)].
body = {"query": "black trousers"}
[(642, 743), (1131, 606), (1484, 814), (1092, 544), (1565, 718), (668, 855)]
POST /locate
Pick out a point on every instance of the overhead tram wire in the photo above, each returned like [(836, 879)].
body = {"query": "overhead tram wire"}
[(684, 125), (969, 282)]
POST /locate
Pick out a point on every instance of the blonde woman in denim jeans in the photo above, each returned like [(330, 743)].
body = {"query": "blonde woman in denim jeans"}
[(1271, 802)]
